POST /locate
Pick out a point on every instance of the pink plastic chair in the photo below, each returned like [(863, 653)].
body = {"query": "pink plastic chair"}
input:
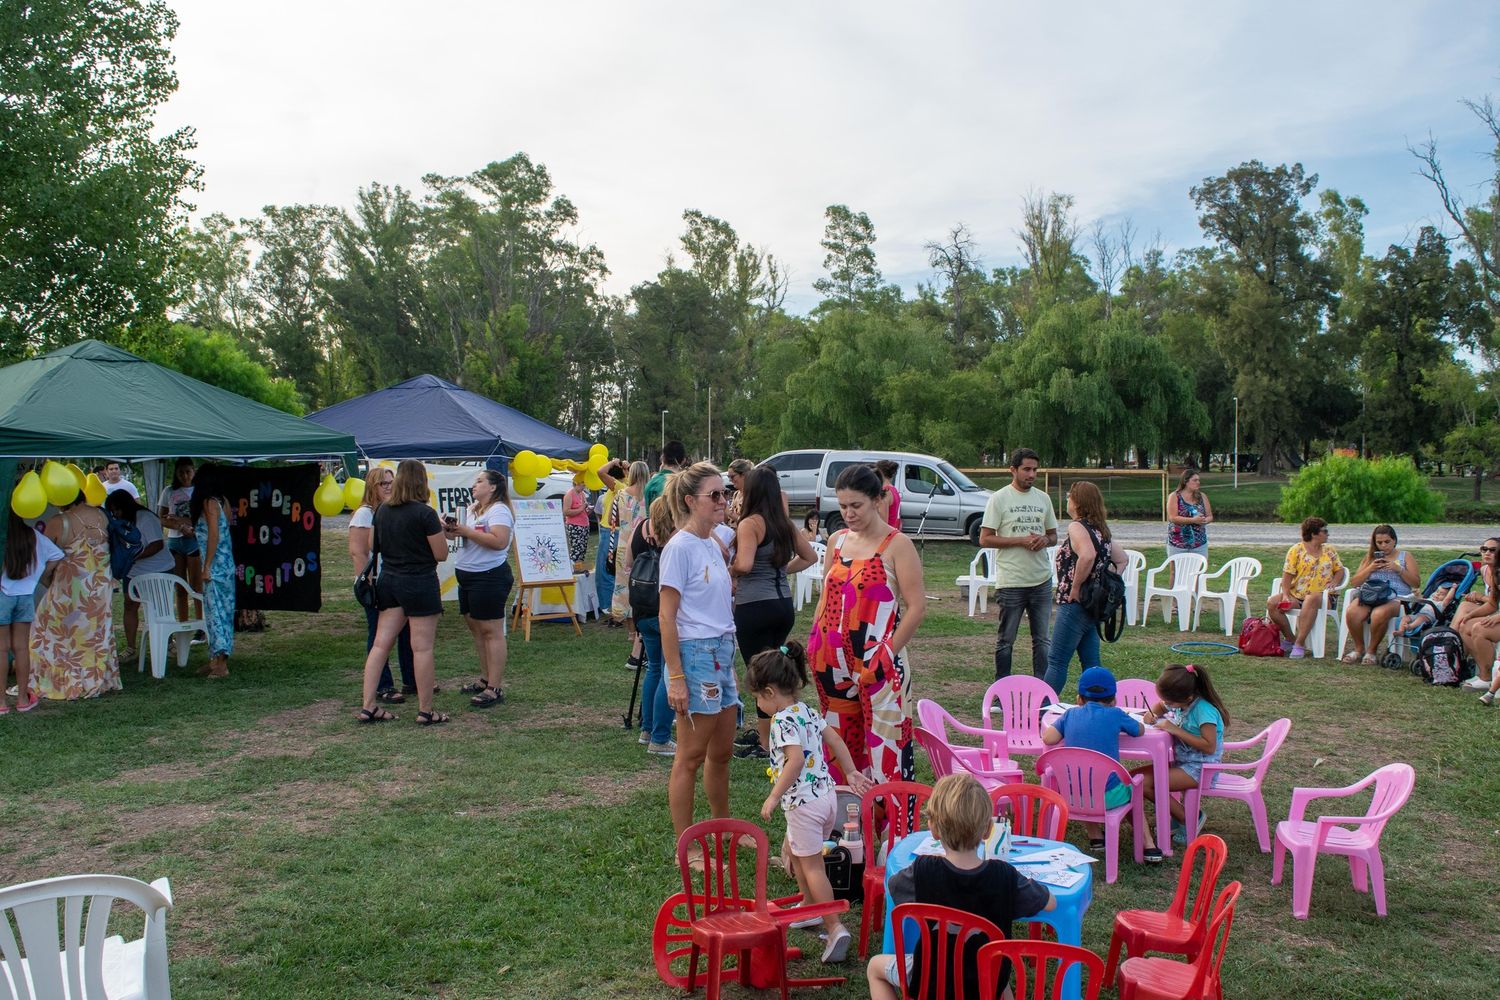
[(945, 762), (1132, 692), (1081, 777), (1306, 839), (993, 751), (1021, 700), (1219, 781)]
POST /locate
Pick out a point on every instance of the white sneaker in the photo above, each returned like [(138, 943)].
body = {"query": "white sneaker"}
[(1475, 684), (1488, 698), (667, 749), (645, 737), (806, 923), (838, 946)]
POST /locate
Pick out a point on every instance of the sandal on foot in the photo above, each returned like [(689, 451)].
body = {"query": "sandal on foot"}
[(1153, 856), (475, 687), (1368, 659), (374, 715), (431, 718), (390, 697), (1350, 657), (488, 698)]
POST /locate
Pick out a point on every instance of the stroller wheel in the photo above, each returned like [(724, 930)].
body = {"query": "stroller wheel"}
[(1391, 661)]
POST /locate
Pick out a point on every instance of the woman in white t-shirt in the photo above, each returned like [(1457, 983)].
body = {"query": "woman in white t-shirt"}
[(697, 637), (378, 484), (485, 579), (182, 537), (29, 556)]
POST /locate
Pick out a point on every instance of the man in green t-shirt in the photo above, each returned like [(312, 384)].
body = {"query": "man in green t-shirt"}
[(1020, 524), (673, 456)]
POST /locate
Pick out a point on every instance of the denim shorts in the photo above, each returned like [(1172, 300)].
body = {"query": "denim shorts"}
[(184, 545), (708, 667), (1193, 768), (17, 610)]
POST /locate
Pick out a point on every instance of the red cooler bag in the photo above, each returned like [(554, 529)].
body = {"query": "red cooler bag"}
[(1260, 637)]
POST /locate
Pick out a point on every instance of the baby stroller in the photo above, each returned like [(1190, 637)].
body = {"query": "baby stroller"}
[(1457, 573)]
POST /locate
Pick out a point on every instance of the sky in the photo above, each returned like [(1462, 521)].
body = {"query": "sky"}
[(922, 115)]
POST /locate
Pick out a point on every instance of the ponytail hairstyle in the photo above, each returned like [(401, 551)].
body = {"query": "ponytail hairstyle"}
[(784, 669), (1381, 529), (861, 479), (502, 491), (20, 547), (684, 484), (663, 523), (1187, 682), (887, 470)]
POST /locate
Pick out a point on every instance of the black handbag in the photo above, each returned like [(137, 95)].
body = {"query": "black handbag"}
[(364, 583), (1102, 596)]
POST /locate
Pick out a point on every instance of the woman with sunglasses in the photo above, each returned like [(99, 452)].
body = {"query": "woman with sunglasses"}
[(378, 483), (1312, 568), (696, 619), (1478, 621)]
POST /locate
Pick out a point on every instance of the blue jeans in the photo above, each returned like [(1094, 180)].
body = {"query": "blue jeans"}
[(1036, 603), (656, 714), (403, 655), (604, 581), (1072, 630)]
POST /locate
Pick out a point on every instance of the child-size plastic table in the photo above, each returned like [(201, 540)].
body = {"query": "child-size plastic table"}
[(1154, 745), (1066, 920)]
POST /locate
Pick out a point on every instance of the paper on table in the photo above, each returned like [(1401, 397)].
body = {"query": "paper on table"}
[(1063, 878), (930, 847), (1065, 856)]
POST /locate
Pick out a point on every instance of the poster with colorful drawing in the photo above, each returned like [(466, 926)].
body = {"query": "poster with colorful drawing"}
[(540, 542)]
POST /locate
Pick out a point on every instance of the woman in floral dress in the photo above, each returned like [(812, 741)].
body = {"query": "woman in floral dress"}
[(859, 632), (72, 638), (208, 514)]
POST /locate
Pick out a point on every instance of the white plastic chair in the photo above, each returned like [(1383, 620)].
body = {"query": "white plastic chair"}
[(1188, 566), (1135, 562), (810, 578), (983, 576), (1052, 562), (1241, 571), (71, 959), (1370, 644), (1333, 608), (157, 594)]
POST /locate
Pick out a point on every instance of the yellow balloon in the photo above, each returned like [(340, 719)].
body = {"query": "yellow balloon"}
[(592, 481), (79, 475), (598, 455), (541, 467), (524, 485), (94, 491), (29, 499), (524, 462), (58, 483), (354, 492), (329, 500)]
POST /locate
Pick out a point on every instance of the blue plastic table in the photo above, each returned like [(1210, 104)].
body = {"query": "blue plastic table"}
[(1066, 920)]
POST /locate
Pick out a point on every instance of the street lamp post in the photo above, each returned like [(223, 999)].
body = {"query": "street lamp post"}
[(1236, 442), (664, 429)]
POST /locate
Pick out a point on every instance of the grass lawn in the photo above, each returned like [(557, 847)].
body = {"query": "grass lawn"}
[(523, 851)]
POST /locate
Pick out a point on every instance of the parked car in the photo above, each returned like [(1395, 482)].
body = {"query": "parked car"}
[(936, 499), (798, 472)]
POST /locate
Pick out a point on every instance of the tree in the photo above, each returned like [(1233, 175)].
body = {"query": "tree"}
[(289, 279), (214, 357), (954, 261), (90, 196), (849, 242), (214, 271)]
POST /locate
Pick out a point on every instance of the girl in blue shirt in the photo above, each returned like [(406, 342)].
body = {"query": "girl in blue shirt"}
[(1191, 710)]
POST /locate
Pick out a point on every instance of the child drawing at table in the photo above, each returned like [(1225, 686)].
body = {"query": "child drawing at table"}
[(802, 786), (1192, 711), (1096, 724), (959, 815)]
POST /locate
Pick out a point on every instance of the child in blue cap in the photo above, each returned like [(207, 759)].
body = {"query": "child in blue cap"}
[(1096, 724)]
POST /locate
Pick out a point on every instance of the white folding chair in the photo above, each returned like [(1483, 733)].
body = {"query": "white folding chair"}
[(1370, 643), (1332, 608), (983, 575), (157, 595), (70, 958), (1240, 571), (1136, 562), (1184, 568)]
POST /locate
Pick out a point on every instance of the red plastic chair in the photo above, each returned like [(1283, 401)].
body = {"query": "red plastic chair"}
[(1034, 811), (1132, 692), (993, 748), (1030, 960), (720, 917), (1174, 930), (1166, 979), (1330, 835), (1020, 700), (1081, 777), (943, 936), (1220, 781), (901, 805)]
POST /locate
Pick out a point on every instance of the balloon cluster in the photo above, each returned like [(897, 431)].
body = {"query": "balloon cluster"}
[(56, 484), (331, 498), (528, 467)]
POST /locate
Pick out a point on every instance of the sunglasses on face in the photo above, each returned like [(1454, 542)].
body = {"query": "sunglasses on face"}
[(1488, 549), (717, 496)]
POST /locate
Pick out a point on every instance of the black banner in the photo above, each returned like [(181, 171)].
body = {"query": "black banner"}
[(277, 537)]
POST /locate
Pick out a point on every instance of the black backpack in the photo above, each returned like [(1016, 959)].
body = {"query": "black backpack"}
[(125, 545), (645, 583), (1440, 658), (1102, 596)]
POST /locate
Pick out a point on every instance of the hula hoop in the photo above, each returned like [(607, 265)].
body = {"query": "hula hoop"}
[(1205, 648)]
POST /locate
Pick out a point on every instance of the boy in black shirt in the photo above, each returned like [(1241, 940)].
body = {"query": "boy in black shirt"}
[(960, 815)]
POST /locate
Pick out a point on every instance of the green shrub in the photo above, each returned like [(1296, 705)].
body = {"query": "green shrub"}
[(1346, 490)]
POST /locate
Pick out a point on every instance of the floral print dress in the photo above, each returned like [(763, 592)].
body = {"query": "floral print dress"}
[(218, 587), (863, 687), (627, 510), (72, 638)]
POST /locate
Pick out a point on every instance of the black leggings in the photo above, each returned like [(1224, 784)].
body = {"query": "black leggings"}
[(762, 625)]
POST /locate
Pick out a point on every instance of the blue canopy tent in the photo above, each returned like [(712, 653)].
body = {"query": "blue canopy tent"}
[(429, 418)]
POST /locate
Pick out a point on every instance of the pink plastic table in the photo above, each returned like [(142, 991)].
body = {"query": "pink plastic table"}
[(1154, 745)]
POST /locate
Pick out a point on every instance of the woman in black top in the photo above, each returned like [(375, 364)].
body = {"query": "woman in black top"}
[(411, 543)]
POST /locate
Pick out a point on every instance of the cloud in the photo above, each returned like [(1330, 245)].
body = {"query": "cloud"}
[(921, 115)]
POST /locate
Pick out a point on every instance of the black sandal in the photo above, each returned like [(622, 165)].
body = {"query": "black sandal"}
[(390, 696), (1153, 856), (488, 698), (367, 715), (475, 687), (431, 718)]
